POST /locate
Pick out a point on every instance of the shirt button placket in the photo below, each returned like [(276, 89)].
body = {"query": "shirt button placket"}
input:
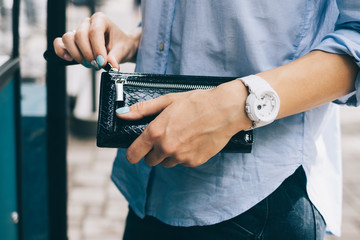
[(164, 36)]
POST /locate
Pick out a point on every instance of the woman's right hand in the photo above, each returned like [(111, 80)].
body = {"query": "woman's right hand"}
[(97, 41)]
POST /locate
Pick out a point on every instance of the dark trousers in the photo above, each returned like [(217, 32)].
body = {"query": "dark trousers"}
[(287, 213)]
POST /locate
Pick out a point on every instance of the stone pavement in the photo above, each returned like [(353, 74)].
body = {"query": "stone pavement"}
[(96, 209)]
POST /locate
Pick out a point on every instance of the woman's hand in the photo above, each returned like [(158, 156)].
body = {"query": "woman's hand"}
[(191, 127), (97, 41)]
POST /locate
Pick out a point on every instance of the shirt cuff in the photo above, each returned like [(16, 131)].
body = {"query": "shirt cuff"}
[(345, 41)]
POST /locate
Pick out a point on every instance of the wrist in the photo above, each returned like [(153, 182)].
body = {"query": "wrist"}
[(247, 123), (235, 94), (134, 37)]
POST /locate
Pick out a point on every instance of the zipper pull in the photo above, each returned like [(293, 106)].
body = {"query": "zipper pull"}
[(119, 85)]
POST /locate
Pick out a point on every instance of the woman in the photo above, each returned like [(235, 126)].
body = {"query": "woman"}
[(289, 187)]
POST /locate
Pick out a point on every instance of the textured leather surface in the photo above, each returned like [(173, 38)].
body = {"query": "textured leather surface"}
[(117, 133)]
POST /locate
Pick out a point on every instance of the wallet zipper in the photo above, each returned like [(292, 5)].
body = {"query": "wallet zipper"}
[(120, 81)]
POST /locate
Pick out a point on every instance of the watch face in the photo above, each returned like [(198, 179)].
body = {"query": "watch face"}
[(267, 107)]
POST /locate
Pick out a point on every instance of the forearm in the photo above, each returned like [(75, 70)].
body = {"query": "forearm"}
[(312, 80)]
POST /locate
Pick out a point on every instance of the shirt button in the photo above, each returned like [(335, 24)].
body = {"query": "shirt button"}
[(161, 47)]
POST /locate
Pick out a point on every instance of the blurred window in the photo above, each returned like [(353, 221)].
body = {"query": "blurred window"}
[(32, 40), (6, 39)]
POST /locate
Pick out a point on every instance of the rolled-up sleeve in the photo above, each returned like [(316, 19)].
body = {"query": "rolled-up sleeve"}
[(345, 39)]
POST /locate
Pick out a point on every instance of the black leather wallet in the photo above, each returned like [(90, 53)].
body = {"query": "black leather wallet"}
[(124, 89)]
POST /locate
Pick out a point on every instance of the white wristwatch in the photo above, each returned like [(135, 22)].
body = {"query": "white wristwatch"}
[(263, 104)]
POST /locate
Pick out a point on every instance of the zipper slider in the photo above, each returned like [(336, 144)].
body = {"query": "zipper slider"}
[(119, 85), (109, 68)]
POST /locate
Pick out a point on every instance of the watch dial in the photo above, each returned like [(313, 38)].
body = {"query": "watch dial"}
[(267, 107)]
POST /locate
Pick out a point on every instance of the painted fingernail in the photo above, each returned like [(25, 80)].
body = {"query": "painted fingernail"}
[(100, 60), (94, 65), (122, 110), (68, 57), (86, 64)]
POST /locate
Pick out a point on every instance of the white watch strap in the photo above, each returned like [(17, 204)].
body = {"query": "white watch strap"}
[(254, 83)]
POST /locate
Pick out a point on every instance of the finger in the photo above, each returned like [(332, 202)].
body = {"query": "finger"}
[(145, 108), (82, 40), (99, 27), (139, 148), (60, 50), (154, 157), (169, 162), (70, 45)]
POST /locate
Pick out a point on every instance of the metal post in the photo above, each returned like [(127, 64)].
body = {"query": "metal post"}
[(56, 127), (93, 72), (17, 111)]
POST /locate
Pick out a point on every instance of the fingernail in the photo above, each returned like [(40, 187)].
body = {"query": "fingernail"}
[(86, 64), (128, 157), (94, 64), (68, 57), (122, 110), (100, 60)]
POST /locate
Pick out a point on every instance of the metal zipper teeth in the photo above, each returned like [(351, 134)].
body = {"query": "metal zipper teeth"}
[(168, 85)]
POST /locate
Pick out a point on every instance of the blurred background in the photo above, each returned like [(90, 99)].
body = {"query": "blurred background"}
[(43, 197)]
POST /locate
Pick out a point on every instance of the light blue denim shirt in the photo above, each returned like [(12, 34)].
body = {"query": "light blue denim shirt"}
[(238, 38)]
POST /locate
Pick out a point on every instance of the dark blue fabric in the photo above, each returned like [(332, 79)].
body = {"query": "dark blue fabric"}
[(286, 214)]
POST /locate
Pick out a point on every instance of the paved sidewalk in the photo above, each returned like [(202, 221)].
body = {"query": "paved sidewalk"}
[(96, 209)]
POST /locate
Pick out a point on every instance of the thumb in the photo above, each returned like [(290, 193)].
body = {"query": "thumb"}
[(143, 109), (117, 54)]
